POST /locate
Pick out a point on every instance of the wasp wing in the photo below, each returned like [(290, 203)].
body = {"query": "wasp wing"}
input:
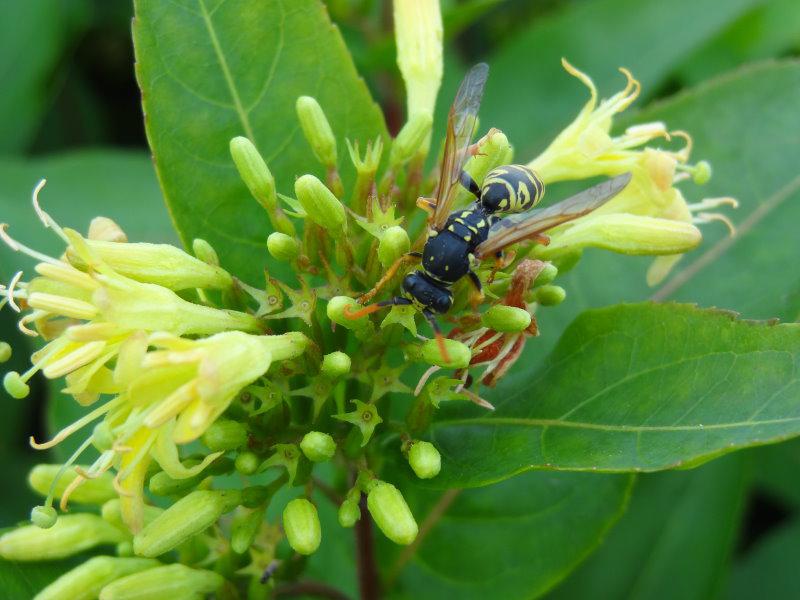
[(460, 128), (519, 227)]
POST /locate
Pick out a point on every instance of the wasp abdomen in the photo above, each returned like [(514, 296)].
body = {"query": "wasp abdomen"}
[(511, 189)]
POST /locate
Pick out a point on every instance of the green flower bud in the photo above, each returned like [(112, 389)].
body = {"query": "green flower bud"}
[(301, 524), (44, 517), (394, 244), (85, 581), (425, 460), (429, 352), (125, 549), (92, 491), (317, 130), (5, 352), (318, 446), (549, 295), (247, 463), (410, 139), (254, 172), (205, 252), (188, 516), (102, 436), (336, 364), (245, 527), (503, 318), (321, 206), (365, 417), (162, 484), (336, 312), (283, 247), (349, 513), (170, 582), (224, 435), (15, 385), (391, 513), (72, 534), (548, 274)]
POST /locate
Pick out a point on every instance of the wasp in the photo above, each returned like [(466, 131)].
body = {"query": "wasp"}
[(500, 216)]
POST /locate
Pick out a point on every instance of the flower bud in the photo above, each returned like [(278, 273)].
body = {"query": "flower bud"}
[(205, 252), (425, 460), (365, 417), (92, 491), (394, 244), (169, 582), (247, 463), (336, 364), (349, 512), (85, 581), (318, 446), (410, 139), (254, 172), (188, 516), (111, 512), (125, 549), (336, 312), (72, 534), (283, 247), (162, 484), (301, 524), (503, 318), (418, 32), (429, 352), (44, 517), (225, 434), (317, 130), (549, 295), (321, 206), (391, 513), (15, 385), (548, 274), (5, 351), (244, 528)]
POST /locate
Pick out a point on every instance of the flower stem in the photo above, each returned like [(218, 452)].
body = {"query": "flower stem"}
[(365, 554)]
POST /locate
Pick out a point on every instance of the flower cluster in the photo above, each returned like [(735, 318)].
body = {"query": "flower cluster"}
[(189, 374)]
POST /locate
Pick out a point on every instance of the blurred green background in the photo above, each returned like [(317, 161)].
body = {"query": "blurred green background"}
[(69, 111)]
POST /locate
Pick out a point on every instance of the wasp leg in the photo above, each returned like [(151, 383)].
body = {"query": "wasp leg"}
[(426, 204), (368, 310), (409, 257), (469, 183), (502, 260), (438, 333), (476, 298)]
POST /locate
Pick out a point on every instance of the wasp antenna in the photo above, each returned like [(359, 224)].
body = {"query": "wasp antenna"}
[(362, 312), (438, 334)]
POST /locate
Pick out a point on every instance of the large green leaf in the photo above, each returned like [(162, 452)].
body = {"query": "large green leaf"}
[(673, 542), (531, 98), (211, 70), (769, 570), (636, 388), (776, 472), (33, 34), (21, 581), (515, 539)]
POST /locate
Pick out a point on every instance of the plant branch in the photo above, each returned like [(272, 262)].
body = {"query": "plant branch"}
[(330, 493), (310, 588), (365, 554), (436, 513)]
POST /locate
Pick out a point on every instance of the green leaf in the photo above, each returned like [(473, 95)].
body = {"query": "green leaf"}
[(20, 581), (512, 540), (212, 70), (530, 96), (674, 541), (33, 34), (769, 30), (776, 471), (635, 388), (769, 570)]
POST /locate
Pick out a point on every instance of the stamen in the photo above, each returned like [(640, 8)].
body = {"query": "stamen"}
[(584, 78), (424, 379), (46, 219), (75, 455), (31, 318), (73, 485), (684, 153), (708, 217), (171, 405), (66, 274), (90, 332), (77, 425), (10, 292), (142, 452), (713, 203), (17, 247)]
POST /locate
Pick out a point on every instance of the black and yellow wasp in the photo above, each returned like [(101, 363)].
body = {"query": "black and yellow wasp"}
[(501, 216)]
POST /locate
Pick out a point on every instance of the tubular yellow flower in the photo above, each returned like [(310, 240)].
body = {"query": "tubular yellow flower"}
[(418, 31)]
